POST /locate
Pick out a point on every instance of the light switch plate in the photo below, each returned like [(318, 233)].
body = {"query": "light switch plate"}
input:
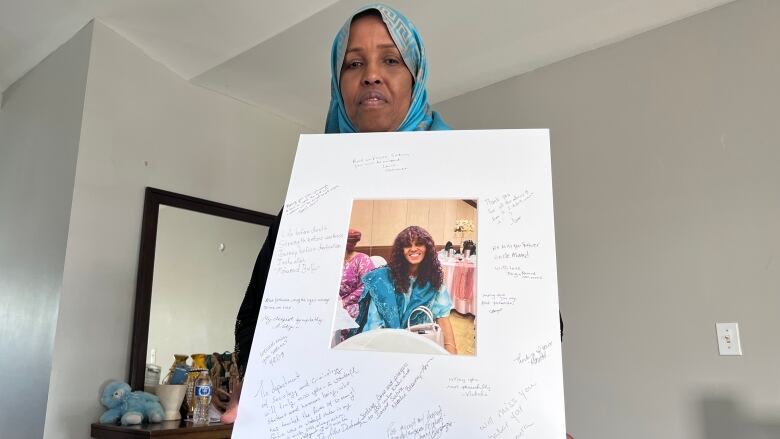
[(728, 338)]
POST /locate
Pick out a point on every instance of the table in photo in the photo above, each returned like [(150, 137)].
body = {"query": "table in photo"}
[(460, 277)]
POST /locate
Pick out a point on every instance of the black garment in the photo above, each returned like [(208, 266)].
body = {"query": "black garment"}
[(246, 321), (561, 317)]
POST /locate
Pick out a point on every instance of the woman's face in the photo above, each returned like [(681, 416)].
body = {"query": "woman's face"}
[(375, 84), (415, 253)]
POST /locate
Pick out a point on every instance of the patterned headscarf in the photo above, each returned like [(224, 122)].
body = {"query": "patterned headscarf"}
[(354, 236), (405, 36)]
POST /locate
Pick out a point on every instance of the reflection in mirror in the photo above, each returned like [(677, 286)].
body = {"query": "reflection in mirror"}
[(202, 265), (194, 265)]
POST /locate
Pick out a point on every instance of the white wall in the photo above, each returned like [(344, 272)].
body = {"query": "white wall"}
[(666, 166), (380, 221), (143, 126), (197, 287), (40, 121)]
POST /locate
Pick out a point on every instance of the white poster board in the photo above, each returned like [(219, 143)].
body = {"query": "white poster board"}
[(298, 386)]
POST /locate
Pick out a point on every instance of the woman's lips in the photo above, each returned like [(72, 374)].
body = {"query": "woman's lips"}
[(372, 98)]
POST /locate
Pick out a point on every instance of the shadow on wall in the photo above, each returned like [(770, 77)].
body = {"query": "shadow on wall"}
[(724, 419)]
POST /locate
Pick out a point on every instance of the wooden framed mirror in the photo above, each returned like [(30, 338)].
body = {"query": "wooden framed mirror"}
[(205, 252)]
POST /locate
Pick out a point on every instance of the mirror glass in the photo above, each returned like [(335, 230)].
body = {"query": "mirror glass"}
[(202, 266), (194, 265)]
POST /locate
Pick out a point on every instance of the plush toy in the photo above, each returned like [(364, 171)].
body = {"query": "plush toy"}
[(128, 407)]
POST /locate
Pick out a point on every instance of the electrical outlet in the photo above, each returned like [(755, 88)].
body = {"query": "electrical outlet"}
[(728, 338)]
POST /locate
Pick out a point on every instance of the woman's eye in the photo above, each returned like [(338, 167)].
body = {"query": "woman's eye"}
[(353, 64), (392, 61)]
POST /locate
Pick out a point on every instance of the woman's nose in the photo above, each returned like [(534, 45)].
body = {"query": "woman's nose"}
[(371, 75)]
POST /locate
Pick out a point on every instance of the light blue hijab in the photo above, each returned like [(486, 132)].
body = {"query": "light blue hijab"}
[(405, 36)]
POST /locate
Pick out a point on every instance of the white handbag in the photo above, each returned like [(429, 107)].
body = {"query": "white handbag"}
[(431, 331)]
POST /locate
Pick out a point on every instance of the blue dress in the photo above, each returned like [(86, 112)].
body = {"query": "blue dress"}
[(382, 307)]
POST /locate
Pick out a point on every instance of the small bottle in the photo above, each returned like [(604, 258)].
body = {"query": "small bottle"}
[(202, 398), (151, 378)]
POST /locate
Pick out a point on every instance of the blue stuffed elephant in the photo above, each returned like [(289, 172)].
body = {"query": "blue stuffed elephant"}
[(128, 407)]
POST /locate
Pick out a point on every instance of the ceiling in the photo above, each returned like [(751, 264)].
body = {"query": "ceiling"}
[(274, 54)]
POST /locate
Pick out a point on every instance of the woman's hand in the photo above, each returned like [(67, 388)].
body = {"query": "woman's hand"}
[(449, 337), (230, 414)]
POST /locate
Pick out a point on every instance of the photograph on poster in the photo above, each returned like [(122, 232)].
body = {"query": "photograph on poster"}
[(408, 283)]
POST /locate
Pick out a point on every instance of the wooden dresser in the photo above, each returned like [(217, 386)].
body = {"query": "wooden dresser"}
[(166, 429)]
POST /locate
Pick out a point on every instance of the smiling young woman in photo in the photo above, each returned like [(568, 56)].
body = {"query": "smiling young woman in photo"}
[(412, 278)]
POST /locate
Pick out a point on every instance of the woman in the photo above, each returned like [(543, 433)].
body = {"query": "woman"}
[(470, 246), (382, 72), (445, 252), (379, 37), (378, 76), (413, 278), (356, 265)]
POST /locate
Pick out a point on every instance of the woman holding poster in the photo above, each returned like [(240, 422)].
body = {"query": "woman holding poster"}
[(378, 83), (413, 278), (378, 76)]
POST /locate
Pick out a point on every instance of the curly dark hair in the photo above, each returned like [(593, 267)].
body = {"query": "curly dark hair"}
[(429, 269)]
